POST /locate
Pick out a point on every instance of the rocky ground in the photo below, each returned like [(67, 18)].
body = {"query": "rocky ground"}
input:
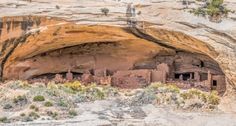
[(165, 19), (74, 104)]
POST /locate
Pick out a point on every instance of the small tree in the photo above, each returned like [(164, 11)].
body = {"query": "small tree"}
[(105, 11), (214, 9), (217, 3)]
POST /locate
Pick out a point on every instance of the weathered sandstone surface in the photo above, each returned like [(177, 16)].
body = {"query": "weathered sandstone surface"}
[(30, 31)]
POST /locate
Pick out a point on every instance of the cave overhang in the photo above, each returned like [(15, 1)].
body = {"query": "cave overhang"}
[(56, 48)]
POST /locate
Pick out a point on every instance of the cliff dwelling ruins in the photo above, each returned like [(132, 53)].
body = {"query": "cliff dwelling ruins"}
[(107, 58)]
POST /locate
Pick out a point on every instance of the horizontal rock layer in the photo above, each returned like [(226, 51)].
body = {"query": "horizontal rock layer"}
[(165, 23)]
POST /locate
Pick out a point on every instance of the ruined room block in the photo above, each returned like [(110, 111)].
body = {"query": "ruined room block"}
[(197, 76), (69, 76), (218, 83), (158, 76), (100, 72), (163, 67), (145, 65), (87, 78), (103, 80), (131, 78), (58, 78), (181, 77)]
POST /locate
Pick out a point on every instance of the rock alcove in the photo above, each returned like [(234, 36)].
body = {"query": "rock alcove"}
[(123, 57)]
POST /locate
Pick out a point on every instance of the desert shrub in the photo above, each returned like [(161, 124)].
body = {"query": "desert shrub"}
[(76, 85), (57, 7), (110, 91), (52, 114), (72, 113), (155, 85), (214, 9), (194, 103), (4, 120), (173, 89), (199, 12), (89, 92), (194, 93), (213, 98), (62, 103), (36, 109), (48, 104), (7, 106), (34, 115), (27, 119), (17, 84), (20, 100), (195, 98), (216, 3), (67, 90), (53, 92), (142, 97), (32, 106), (160, 87), (52, 85), (105, 11), (81, 98), (39, 98), (22, 114), (93, 92)]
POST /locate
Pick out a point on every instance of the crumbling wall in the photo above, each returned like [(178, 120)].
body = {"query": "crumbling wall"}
[(131, 79), (84, 49)]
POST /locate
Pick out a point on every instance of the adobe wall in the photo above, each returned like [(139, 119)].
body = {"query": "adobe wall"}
[(131, 79), (221, 83)]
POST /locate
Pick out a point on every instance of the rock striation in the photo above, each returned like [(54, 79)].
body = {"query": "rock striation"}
[(30, 30)]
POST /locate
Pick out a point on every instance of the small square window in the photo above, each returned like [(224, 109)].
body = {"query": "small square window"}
[(214, 83)]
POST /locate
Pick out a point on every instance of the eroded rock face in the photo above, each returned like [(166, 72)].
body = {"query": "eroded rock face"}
[(168, 31), (131, 57)]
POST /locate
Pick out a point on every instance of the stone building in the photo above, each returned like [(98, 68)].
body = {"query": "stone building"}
[(186, 70)]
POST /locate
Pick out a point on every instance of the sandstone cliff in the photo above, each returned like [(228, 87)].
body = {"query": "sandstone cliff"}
[(42, 26)]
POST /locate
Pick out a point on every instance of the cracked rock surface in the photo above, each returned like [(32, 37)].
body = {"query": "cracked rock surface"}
[(166, 21)]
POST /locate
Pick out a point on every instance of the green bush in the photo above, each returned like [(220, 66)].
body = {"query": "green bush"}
[(76, 85), (22, 114), (4, 120), (39, 98), (105, 11), (48, 104), (173, 89), (209, 99), (216, 3), (36, 109), (7, 106), (155, 85), (110, 91), (52, 114), (27, 119), (72, 113), (33, 115), (194, 93), (20, 100), (214, 9), (213, 98), (62, 103), (32, 106)]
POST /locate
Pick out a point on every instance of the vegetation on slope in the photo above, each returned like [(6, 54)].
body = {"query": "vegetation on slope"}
[(59, 101), (214, 9)]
